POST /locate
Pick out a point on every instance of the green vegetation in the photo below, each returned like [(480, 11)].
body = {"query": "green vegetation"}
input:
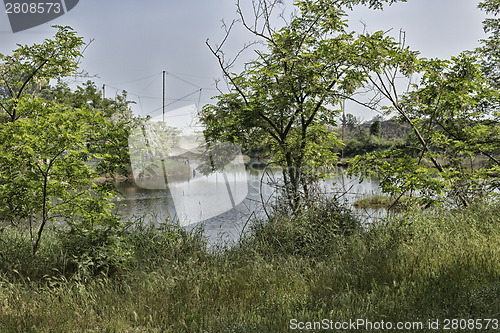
[(375, 128), (387, 202), (452, 111), (288, 98), (92, 271), (414, 267), (364, 143), (375, 135), (376, 201), (109, 140), (55, 143)]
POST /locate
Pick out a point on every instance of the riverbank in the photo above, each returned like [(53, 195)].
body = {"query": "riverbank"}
[(420, 266)]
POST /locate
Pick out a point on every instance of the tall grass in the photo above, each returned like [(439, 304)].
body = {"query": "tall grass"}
[(422, 265)]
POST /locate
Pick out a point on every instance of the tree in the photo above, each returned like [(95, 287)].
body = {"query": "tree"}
[(351, 122), (44, 164), (31, 67), (48, 146), (287, 97), (375, 128), (453, 113), (109, 139), (490, 49)]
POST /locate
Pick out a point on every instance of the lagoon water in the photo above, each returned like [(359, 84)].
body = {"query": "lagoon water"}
[(225, 205)]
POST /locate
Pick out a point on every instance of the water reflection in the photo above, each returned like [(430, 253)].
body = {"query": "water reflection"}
[(158, 205)]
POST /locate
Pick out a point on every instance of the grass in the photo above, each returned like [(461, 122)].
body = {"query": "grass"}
[(375, 201), (380, 201), (422, 265)]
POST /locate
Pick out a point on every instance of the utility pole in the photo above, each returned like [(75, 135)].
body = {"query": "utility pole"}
[(172, 210), (163, 96), (343, 125), (103, 91)]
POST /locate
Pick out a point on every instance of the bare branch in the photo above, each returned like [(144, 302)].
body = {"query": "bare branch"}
[(79, 59), (220, 59), (253, 30)]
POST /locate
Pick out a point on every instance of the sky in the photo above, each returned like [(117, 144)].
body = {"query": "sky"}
[(135, 41)]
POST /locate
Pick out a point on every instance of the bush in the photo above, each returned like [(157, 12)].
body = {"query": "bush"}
[(94, 240), (95, 250), (312, 233)]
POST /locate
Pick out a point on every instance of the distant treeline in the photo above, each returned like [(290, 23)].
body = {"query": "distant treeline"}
[(361, 137)]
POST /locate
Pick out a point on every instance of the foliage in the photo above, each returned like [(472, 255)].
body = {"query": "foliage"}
[(453, 130), (490, 50), (43, 162), (156, 245), (386, 202), (375, 128), (109, 139), (453, 113), (313, 233), (151, 143), (350, 122), (364, 143), (94, 237), (30, 67), (49, 143), (357, 139), (286, 98)]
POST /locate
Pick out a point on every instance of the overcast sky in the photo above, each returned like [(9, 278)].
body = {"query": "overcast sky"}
[(134, 41)]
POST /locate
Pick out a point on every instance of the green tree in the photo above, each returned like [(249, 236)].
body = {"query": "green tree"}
[(453, 114), (351, 122), (286, 98), (375, 128), (45, 170), (109, 139), (48, 147), (490, 49), (29, 68)]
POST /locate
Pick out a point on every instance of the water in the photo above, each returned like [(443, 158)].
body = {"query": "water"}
[(225, 205)]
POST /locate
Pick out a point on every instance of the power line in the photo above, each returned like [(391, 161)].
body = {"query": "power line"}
[(180, 99), (175, 101), (195, 76), (183, 80), (139, 94)]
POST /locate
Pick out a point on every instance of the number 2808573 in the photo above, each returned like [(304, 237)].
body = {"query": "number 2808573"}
[(33, 8)]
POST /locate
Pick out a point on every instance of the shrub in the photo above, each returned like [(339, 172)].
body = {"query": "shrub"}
[(94, 240), (313, 232)]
